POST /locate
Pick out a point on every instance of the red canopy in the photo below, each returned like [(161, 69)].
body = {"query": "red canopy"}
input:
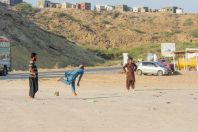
[(3, 39)]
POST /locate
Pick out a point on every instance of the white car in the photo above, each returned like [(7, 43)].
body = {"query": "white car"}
[(152, 68)]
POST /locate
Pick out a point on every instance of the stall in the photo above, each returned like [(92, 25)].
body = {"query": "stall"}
[(186, 60)]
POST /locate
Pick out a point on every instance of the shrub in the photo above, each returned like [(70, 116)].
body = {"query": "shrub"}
[(194, 33), (25, 8), (65, 15), (138, 31), (105, 22), (61, 14), (115, 15), (188, 22)]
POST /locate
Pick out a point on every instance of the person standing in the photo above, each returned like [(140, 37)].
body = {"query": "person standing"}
[(71, 78), (130, 69), (33, 76)]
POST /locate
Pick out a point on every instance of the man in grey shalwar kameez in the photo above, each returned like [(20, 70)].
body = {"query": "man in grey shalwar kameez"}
[(33, 76)]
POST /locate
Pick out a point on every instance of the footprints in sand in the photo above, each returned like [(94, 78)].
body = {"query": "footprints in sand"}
[(193, 94), (168, 102), (155, 95)]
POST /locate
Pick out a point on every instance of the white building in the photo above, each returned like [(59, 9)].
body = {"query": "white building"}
[(109, 7), (136, 9), (161, 10), (43, 3), (144, 9), (179, 11), (100, 8), (67, 5)]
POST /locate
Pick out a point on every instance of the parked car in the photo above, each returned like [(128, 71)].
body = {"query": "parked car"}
[(166, 64), (153, 68), (3, 70)]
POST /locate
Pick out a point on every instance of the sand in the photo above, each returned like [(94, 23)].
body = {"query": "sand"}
[(159, 104)]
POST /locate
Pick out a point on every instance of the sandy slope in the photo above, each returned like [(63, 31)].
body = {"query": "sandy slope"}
[(160, 104)]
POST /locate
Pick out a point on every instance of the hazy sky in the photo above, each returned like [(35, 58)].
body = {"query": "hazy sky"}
[(187, 5)]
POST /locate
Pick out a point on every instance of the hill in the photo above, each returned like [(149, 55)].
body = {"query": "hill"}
[(54, 51), (109, 30)]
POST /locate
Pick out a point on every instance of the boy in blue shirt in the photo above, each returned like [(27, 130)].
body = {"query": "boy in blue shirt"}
[(71, 78)]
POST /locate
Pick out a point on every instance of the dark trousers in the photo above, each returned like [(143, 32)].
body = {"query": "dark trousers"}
[(33, 83), (130, 83)]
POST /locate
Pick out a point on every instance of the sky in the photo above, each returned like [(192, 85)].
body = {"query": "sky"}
[(187, 5)]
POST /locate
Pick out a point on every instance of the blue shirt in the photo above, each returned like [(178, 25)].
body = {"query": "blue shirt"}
[(72, 75)]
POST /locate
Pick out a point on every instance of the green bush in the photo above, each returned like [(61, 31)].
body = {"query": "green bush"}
[(105, 22), (115, 15), (25, 8), (194, 33), (65, 15), (61, 14), (138, 31), (188, 22)]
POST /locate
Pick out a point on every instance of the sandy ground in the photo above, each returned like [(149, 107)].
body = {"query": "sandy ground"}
[(160, 104)]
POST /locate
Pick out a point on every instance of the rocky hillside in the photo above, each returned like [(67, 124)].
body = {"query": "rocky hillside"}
[(26, 37), (117, 30)]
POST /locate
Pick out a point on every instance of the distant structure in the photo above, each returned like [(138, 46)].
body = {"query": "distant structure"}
[(104, 8), (67, 5), (100, 8), (11, 2), (55, 5), (122, 8), (83, 6), (169, 9), (109, 7), (136, 9), (179, 11), (43, 3), (144, 9)]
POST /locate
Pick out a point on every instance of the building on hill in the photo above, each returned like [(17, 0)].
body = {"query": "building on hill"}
[(83, 6), (141, 9), (169, 9), (121, 8), (179, 11), (144, 9), (11, 2), (99, 8), (55, 5), (67, 5), (136, 9), (154, 10), (43, 3), (109, 7), (104, 8)]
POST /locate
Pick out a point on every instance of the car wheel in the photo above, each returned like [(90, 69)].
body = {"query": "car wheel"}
[(139, 72), (160, 73)]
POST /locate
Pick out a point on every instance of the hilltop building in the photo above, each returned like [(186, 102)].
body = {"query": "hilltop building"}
[(169, 9), (122, 8), (43, 4), (100, 8), (67, 5), (109, 7), (179, 11), (83, 6), (55, 5), (144, 9), (104, 8), (136, 9), (11, 2)]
